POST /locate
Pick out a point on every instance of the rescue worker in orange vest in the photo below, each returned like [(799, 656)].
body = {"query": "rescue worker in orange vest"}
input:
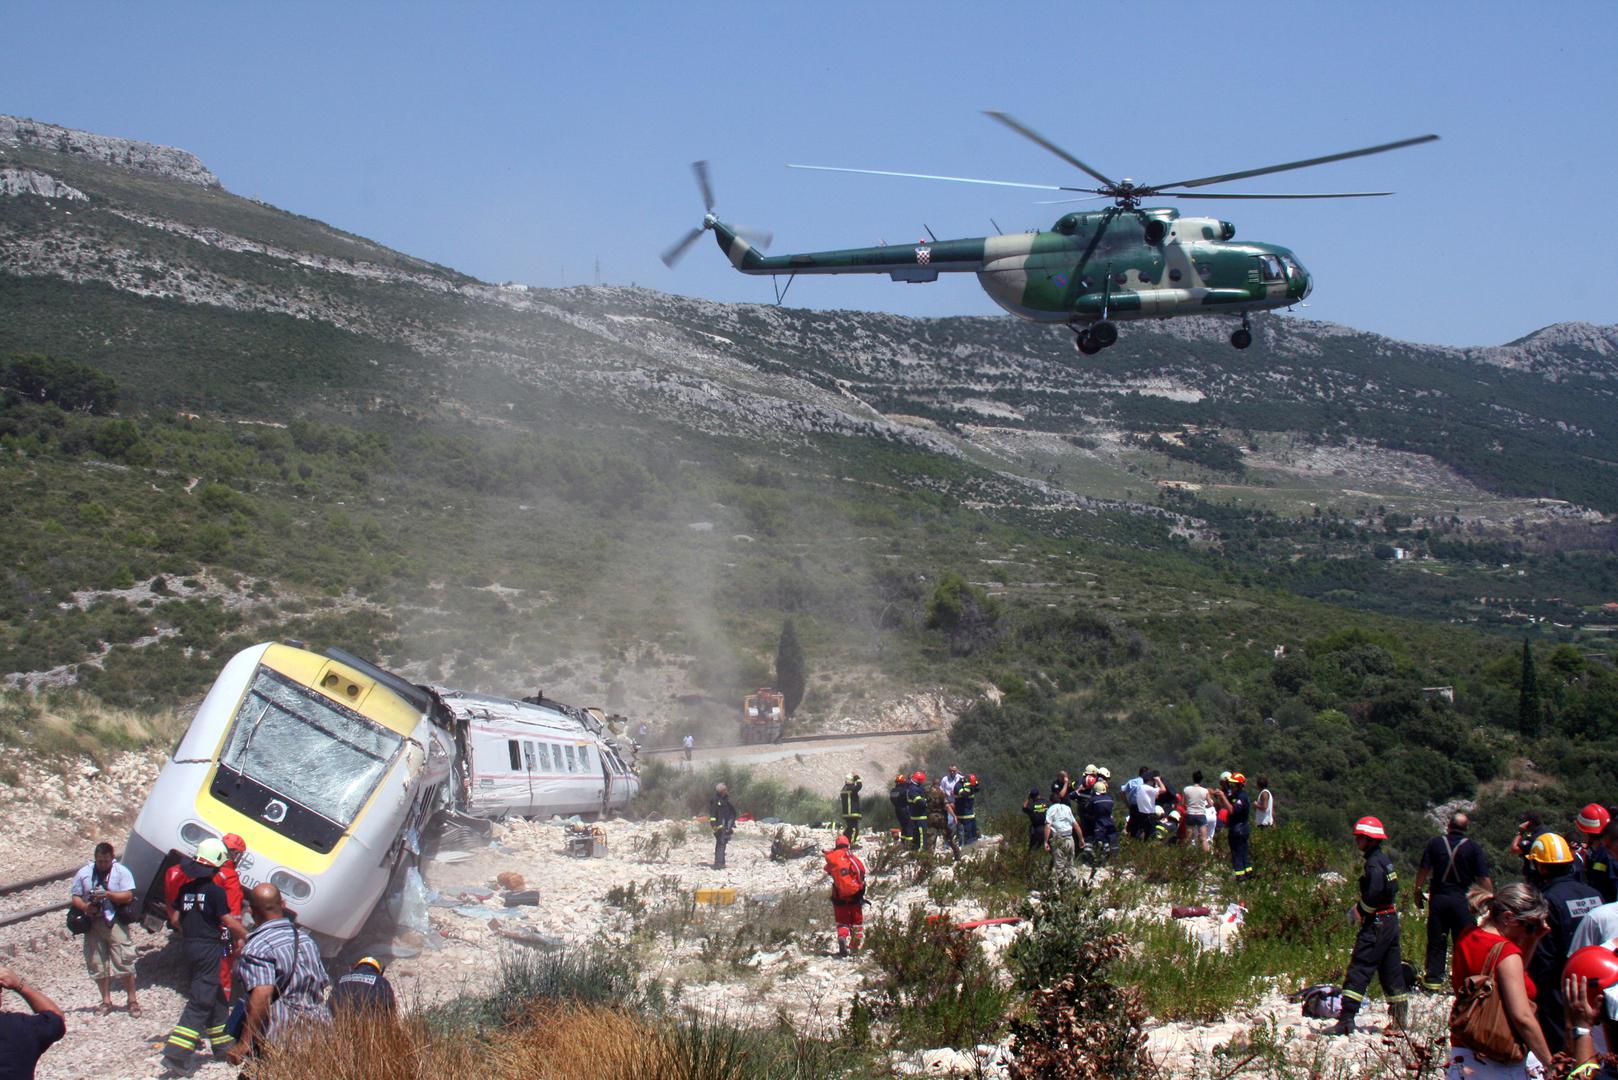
[(847, 875), (1376, 946)]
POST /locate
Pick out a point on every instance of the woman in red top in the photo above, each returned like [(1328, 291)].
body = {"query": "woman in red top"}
[(1515, 917)]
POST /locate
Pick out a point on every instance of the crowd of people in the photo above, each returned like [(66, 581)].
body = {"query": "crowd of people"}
[(1543, 947), (253, 978), (1081, 816)]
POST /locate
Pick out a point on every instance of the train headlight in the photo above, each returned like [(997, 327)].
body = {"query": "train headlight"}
[(194, 833), (291, 885)]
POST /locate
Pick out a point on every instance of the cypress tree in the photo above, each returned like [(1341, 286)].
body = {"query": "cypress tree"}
[(790, 674), (1528, 707)]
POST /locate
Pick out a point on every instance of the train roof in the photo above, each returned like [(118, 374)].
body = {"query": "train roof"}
[(552, 717)]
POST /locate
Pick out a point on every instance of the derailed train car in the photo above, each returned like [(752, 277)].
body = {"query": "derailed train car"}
[(330, 768)]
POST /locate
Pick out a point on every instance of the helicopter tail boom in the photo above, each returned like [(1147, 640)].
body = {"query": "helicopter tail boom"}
[(923, 261)]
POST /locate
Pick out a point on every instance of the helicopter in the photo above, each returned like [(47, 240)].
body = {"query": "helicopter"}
[(1092, 269)]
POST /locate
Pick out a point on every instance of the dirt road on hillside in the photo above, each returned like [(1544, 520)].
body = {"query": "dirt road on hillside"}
[(821, 766)]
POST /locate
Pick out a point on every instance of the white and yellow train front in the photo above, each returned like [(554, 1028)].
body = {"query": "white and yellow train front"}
[(324, 764)]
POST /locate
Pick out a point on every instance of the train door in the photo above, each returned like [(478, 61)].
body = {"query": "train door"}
[(530, 766)]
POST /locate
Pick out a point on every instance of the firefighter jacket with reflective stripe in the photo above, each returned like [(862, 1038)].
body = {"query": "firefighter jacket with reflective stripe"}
[(849, 800), (1379, 885), (966, 794)]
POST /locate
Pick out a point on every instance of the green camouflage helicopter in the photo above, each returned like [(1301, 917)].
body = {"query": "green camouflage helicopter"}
[(1093, 269)]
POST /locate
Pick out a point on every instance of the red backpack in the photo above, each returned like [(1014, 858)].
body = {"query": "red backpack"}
[(847, 875)]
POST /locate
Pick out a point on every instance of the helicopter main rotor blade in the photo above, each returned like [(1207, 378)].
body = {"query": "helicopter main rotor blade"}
[(1061, 202), (929, 176), (701, 169), (1232, 195), (1222, 177), (1030, 133), (677, 252)]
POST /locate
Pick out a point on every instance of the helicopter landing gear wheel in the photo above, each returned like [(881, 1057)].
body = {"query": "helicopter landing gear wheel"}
[(1086, 343), (1104, 333), (1242, 338)]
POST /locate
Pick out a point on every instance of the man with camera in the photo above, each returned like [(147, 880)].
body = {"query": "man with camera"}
[(100, 891)]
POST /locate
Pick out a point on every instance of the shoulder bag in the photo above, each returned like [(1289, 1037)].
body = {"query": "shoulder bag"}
[(1478, 1019)]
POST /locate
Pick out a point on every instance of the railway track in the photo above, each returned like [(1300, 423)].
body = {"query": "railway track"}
[(34, 898), (843, 736)]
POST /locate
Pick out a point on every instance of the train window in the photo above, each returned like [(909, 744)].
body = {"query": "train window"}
[(528, 755), (584, 759), (570, 765), (516, 755), (308, 749), (556, 758)]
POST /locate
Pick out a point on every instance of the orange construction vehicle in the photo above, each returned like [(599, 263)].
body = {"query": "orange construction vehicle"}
[(764, 715)]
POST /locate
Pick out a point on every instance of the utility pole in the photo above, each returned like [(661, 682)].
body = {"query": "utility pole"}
[(598, 271)]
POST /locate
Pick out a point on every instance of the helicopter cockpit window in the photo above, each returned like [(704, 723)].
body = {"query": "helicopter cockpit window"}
[(1292, 267), (1272, 267)]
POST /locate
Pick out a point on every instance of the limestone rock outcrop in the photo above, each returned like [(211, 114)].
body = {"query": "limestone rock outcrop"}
[(125, 153)]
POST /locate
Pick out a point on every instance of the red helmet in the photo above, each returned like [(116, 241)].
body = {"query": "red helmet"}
[(842, 841), (1592, 819), (235, 844), (1370, 827), (971, 778), (898, 778), (1596, 963), (918, 777)]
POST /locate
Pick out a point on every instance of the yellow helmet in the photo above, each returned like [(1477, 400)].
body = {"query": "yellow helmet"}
[(1550, 848)]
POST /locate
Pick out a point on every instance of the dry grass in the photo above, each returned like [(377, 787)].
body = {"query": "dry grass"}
[(75, 725), (553, 1041)]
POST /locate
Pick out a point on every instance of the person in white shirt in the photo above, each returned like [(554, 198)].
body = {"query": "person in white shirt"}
[(1062, 833), (1264, 806), (950, 781)]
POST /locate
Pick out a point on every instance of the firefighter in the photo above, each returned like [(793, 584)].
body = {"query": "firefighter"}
[(848, 806), (916, 800), (1376, 946), (1099, 828), (722, 815), (966, 817), (1550, 862), (1035, 808), (1591, 863), (899, 796), (1240, 832), (202, 916)]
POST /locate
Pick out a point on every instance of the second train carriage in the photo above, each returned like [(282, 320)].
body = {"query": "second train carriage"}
[(330, 767)]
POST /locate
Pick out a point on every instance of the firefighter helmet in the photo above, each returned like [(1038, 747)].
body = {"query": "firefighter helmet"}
[(1550, 849), (918, 777), (1238, 779), (369, 961), (234, 844), (211, 852), (1593, 818), (1371, 828), (1594, 962)]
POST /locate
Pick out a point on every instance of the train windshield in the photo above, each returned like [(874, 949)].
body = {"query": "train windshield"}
[(307, 749)]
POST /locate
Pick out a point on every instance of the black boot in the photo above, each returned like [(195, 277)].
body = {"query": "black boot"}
[(1345, 1019)]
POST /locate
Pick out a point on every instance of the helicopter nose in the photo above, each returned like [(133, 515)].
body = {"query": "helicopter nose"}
[(1304, 284)]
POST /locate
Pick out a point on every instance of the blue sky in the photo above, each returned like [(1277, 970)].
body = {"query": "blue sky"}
[(525, 141)]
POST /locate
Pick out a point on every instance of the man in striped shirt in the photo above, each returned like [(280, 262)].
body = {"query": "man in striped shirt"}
[(281, 972)]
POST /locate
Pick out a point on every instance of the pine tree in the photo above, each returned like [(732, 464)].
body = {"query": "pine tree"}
[(1528, 707), (790, 674)]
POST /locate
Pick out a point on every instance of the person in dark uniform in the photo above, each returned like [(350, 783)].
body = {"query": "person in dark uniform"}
[(899, 796), (916, 801), (1591, 863), (364, 989), (1550, 862), (1061, 788), (722, 816), (1238, 826), (1376, 946), (1454, 863), (848, 807), (1035, 808), (1531, 828), (207, 930), (966, 814), (1601, 874), (1100, 830)]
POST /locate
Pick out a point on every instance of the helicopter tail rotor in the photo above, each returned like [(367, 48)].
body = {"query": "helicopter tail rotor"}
[(676, 251)]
